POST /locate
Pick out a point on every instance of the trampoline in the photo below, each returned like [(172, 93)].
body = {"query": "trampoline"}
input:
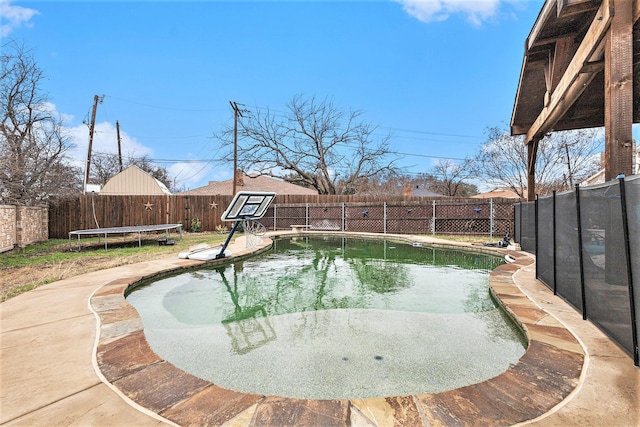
[(124, 230)]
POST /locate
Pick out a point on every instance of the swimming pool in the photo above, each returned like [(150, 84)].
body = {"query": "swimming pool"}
[(333, 317)]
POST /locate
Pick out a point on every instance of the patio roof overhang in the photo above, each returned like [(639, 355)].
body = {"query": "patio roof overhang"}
[(580, 67)]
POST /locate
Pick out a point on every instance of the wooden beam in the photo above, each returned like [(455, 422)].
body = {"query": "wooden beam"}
[(574, 80), (549, 9), (572, 7), (618, 93), (636, 10)]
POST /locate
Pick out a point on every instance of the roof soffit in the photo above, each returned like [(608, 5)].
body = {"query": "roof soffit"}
[(561, 27)]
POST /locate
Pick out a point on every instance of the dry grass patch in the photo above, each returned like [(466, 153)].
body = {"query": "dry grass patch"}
[(25, 269)]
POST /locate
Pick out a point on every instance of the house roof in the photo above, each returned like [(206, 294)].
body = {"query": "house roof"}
[(420, 190), (505, 193), (564, 61), (250, 183), (597, 178), (133, 181)]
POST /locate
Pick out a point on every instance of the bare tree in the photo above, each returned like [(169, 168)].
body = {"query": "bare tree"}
[(450, 178), (388, 183), (103, 167), (106, 165), (564, 158), (313, 144), (33, 145)]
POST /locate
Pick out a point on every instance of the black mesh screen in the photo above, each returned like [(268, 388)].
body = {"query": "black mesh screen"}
[(544, 257), (528, 227), (517, 223), (605, 262), (568, 250), (632, 192)]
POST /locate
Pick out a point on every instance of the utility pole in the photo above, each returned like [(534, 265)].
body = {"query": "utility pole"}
[(96, 99), (237, 113), (566, 148), (119, 146)]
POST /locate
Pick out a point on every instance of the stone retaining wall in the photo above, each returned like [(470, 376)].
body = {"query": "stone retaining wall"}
[(22, 225)]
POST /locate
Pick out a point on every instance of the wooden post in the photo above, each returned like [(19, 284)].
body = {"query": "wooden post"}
[(91, 129), (618, 92), (532, 153), (119, 145), (236, 113)]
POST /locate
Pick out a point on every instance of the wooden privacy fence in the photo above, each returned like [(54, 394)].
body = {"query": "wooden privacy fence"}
[(381, 214)]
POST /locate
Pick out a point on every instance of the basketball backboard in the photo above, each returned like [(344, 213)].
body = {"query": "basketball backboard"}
[(248, 205)]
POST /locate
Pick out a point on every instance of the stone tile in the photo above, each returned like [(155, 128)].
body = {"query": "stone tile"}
[(212, 405), (390, 411), (528, 315), (108, 302), (160, 386), (280, 411), (243, 419), (551, 369), (358, 419), (499, 273), (442, 409), (124, 356), (115, 287), (507, 268), (608, 397), (502, 279), (520, 382), (112, 331), (123, 313), (555, 335)]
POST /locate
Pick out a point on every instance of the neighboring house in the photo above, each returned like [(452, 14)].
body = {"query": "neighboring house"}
[(249, 183), (503, 192), (598, 177), (133, 181), (419, 190)]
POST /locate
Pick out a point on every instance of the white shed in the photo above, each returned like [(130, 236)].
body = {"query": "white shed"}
[(133, 181)]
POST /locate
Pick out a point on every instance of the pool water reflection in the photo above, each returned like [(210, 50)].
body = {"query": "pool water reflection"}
[(332, 317)]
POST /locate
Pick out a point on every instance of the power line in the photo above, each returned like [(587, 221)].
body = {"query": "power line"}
[(284, 114), (159, 107), (433, 133)]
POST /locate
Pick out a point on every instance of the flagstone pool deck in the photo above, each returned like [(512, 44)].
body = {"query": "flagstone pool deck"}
[(73, 353)]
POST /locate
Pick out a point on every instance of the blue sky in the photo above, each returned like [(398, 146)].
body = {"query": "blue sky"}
[(435, 73)]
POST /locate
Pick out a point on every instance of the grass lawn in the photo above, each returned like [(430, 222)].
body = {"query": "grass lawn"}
[(25, 269)]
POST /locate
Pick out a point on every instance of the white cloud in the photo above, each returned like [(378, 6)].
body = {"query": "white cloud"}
[(476, 11), (13, 17), (191, 175), (105, 140)]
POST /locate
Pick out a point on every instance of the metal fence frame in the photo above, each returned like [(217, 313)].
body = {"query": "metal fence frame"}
[(587, 247), (434, 217)]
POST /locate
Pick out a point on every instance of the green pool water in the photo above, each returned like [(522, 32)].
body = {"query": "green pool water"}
[(332, 317)]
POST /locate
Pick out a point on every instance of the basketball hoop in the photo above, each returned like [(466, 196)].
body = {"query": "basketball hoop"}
[(247, 207), (253, 231)]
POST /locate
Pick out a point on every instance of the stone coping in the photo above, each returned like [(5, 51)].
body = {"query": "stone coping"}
[(543, 377)]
